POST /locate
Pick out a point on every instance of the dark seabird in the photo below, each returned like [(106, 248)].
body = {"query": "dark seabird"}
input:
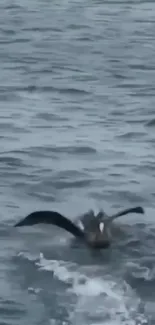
[(94, 231)]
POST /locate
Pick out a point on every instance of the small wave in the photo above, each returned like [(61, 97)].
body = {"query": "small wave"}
[(151, 123), (11, 161), (131, 135), (51, 117), (139, 271), (62, 150), (74, 149), (73, 184), (45, 89), (11, 309)]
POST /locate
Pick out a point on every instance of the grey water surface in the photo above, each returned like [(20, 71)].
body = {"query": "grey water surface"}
[(77, 132)]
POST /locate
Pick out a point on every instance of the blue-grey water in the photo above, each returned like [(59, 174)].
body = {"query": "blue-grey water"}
[(77, 132)]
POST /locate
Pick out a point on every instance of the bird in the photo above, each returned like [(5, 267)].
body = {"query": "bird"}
[(93, 230)]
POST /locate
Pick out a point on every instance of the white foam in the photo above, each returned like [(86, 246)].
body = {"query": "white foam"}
[(98, 299), (58, 268)]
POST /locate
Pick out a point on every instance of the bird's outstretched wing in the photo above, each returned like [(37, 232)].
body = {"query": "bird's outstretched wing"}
[(124, 212), (53, 218)]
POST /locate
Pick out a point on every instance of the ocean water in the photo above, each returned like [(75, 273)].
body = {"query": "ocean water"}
[(77, 132)]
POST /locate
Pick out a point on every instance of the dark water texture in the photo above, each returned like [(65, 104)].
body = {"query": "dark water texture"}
[(77, 131)]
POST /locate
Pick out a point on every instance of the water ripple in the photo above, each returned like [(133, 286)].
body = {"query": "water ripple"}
[(76, 129)]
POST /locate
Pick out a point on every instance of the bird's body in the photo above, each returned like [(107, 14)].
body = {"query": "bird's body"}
[(94, 231)]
